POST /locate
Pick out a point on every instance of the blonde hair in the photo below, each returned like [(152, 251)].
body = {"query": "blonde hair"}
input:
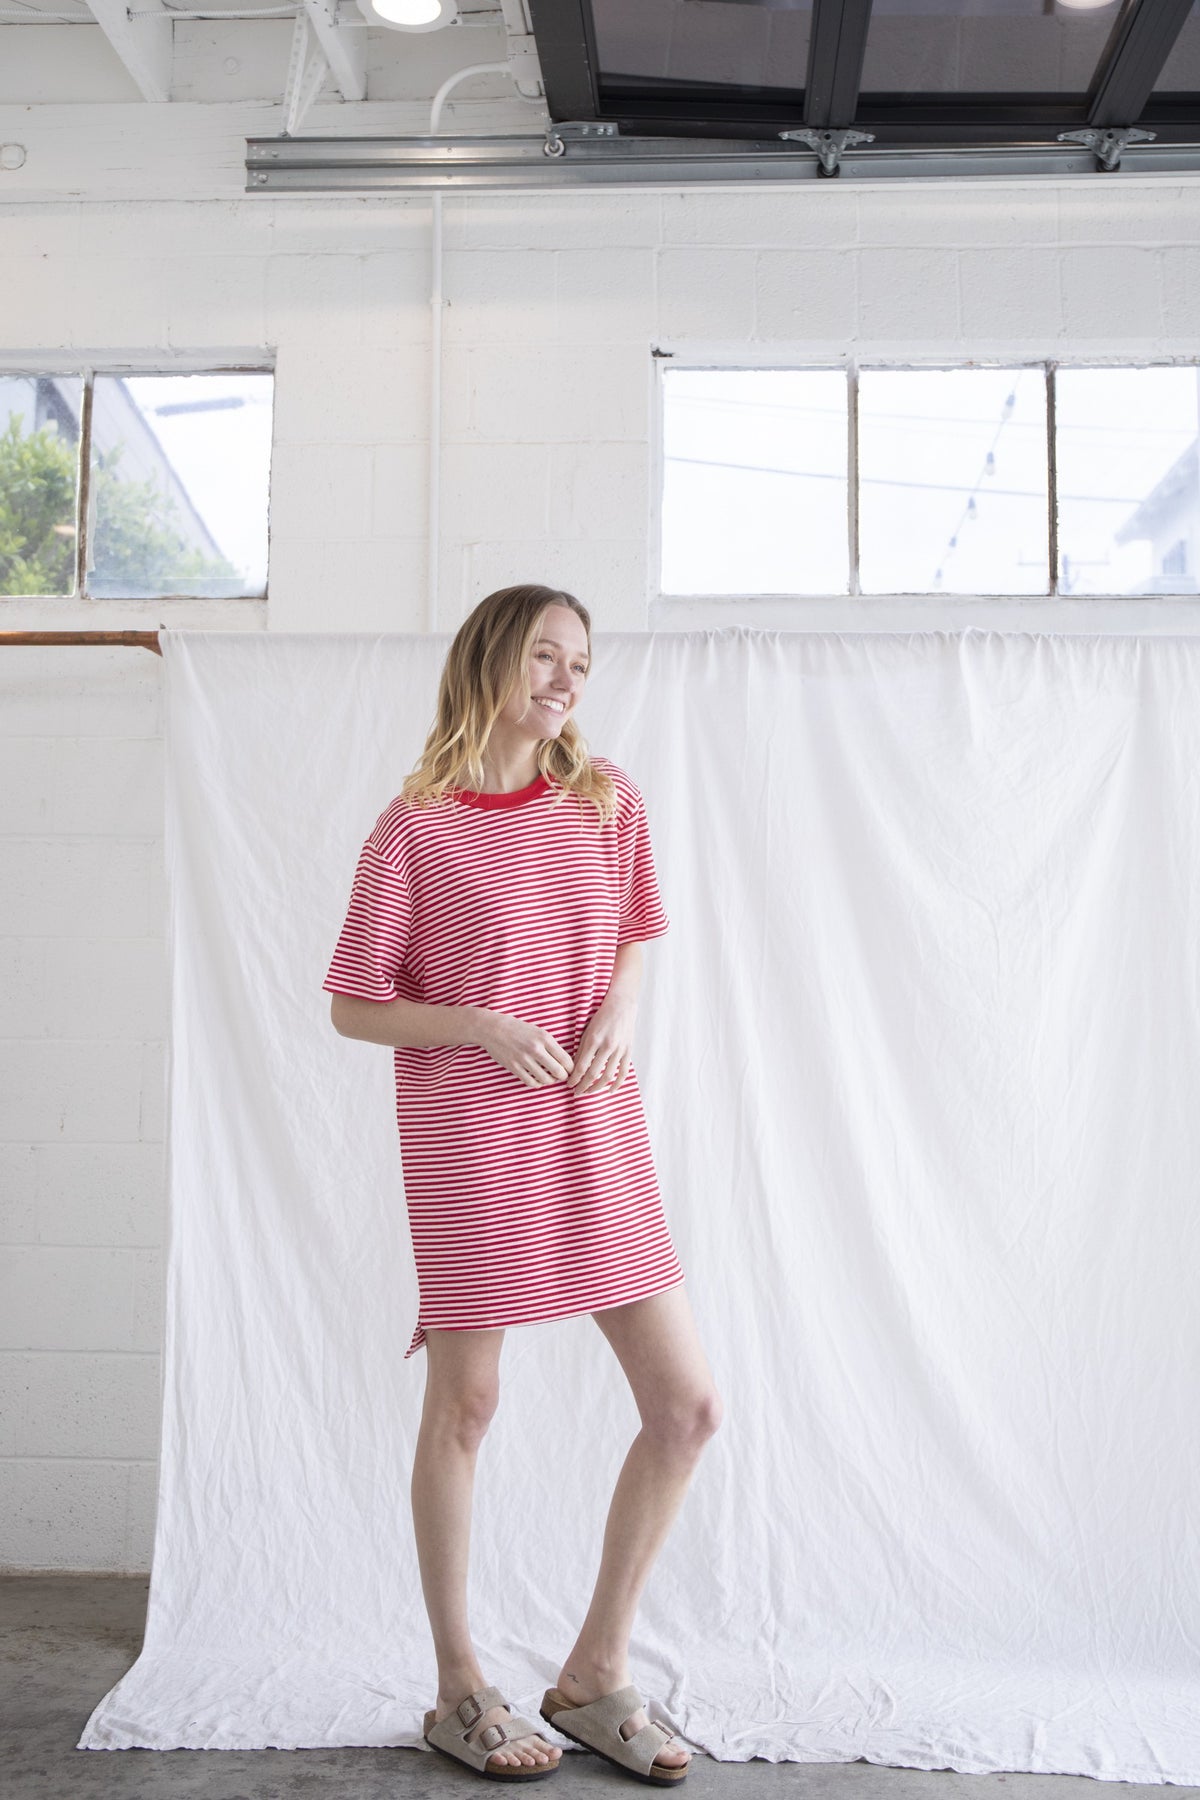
[(487, 661)]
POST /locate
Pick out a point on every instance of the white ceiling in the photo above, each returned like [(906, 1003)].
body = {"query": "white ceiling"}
[(219, 59)]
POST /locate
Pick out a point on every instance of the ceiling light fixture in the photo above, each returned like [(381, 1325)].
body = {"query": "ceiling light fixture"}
[(410, 15)]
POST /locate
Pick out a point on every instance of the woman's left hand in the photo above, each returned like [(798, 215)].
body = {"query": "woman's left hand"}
[(605, 1049)]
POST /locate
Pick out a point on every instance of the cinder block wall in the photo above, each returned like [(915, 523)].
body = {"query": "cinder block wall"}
[(83, 1004), (553, 304)]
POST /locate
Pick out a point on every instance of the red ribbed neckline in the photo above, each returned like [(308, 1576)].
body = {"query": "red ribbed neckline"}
[(518, 796)]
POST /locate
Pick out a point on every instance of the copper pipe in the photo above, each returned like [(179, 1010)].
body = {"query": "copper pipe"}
[(146, 640)]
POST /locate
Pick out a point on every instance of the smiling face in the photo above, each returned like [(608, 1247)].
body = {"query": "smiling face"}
[(558, 667)]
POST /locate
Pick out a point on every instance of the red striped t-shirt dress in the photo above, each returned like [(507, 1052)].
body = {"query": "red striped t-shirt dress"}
[(524, 1204)]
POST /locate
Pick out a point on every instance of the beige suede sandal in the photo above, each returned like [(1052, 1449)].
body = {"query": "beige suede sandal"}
[(597, 1726), (449, 1735)]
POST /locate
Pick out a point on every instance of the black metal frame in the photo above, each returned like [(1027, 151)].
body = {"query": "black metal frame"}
[(1121, 93), (566, 47), (837, 45), (1142, 40)]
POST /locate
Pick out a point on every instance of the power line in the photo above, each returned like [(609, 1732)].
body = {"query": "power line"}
[(970, 510), (939, 487), (1116, 434)]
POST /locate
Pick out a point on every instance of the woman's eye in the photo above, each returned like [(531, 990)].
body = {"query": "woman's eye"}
[(543, 654)]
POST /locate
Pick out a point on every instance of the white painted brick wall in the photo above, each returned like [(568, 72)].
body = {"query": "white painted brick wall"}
[(553, 302), (83, 999)]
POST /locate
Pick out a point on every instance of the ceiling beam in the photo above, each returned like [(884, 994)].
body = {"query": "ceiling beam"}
[(144, 45), (344, 51), (1142, 40)]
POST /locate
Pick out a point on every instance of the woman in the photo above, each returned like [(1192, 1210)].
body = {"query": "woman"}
[(493, 939)]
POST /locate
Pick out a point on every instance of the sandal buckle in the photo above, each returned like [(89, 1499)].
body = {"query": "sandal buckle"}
[(469, 1718)]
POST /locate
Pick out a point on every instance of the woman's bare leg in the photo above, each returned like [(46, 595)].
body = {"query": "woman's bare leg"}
[(462, 1391), (659, 1349)]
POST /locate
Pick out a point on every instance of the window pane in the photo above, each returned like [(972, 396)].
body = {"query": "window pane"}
[(953, 481), (727, 42), (179, 473), (1181, 71), (39, 482), (1127, 482), (985, 46), (754, 481)]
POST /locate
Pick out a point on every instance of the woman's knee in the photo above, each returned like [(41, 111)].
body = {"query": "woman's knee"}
[(462, 1384), (463, 1410), (686, 1420)]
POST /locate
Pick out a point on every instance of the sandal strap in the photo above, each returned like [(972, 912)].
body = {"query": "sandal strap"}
[(473, 1706), (520, 1727), (493, 1736), (645, 1744), (609, 1712)]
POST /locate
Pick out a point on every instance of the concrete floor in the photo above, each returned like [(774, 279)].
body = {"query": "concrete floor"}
[(65, 1639)]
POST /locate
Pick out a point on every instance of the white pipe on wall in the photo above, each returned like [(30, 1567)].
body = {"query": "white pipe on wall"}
[(434, 521)]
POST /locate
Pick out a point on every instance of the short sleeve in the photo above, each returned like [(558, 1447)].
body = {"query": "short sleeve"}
[(641, 911), (375, 936)]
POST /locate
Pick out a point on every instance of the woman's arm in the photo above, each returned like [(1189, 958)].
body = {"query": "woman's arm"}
[(410, 1023), (626, 976), (406, 1022)]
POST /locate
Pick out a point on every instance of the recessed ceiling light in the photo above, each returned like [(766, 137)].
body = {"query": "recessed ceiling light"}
[(410, 15)]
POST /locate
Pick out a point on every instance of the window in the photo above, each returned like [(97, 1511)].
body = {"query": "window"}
[(1126, 454), (1034, 479), (175, 497), (754, 492), (953, 481)]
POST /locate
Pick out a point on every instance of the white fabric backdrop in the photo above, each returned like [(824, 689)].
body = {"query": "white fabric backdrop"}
[(920, 1058)]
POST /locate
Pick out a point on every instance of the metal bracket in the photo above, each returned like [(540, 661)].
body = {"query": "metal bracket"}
[(304, 78), (1106, 145), (558, 136), (829, 145)]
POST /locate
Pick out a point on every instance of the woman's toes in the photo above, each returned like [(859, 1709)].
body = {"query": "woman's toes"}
[(671, 1755)]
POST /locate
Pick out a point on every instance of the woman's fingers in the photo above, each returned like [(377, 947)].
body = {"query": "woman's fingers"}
[(604, 1072)]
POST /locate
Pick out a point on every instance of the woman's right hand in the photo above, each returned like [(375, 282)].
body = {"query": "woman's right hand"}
[(527, 1051)]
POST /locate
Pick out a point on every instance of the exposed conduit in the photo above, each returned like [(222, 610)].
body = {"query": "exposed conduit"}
[(435, 347)]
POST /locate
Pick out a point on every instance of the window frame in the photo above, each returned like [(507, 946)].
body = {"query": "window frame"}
[(54, 365), (852, 366)]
